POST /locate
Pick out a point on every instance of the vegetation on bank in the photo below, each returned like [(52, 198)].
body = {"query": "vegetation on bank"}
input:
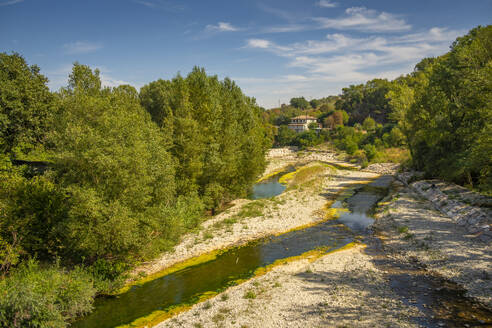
[(95, 179), (114, 177), (439, 116)]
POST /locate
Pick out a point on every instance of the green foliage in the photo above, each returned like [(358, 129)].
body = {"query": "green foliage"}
[(299, 102), (369, 124), (216, 133), (367, 99), (370, 151), (448, 124), (314, 103), (33, 296), (26, 105), (112, 160), (350, 146), (313, 126), (34, 217), (285, 136)]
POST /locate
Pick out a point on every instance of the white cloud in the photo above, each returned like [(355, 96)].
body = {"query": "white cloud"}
[(326, 4), (81, 47), (365, 20), (222, 27), (259, 43), (161, 5), (109, 81), (11, 2), (323, 67), (285, 28)]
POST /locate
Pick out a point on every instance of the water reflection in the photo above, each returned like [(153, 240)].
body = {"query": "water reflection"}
[(187, 285)]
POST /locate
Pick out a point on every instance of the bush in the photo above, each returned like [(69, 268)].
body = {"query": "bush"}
[(34, 214), (350, 146), (44, 297), (370, 151)]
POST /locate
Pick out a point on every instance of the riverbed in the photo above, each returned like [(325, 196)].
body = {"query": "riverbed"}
[(277, 267), (192, 284)]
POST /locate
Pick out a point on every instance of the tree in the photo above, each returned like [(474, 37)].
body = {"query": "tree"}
[(313, 126), (369, 124), (285, 136), (329, 122), (217, 134), (362, 100), (26, 105), (112, 164), (315, 103), (448, 125), (299, 102)]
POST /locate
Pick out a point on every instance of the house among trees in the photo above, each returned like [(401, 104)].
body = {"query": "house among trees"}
[(301, 123)]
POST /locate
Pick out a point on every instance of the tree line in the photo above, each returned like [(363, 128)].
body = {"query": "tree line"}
[(124, 174)]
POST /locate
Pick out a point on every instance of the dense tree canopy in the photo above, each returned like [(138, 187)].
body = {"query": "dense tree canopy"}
[(26, 105), (300, 102), (449, 118), (363, 100), (216, 133)]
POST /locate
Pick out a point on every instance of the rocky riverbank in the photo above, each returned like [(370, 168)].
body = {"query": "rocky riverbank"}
[(341, 289), (248, 220), (413, 229)]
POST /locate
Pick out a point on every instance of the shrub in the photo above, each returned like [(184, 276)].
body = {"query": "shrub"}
[(350, 146), (370, 151), (44, 297)]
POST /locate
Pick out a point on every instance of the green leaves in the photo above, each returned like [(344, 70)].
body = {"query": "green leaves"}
[(34, 296), (218, 137), (26, 105), (448, 124)]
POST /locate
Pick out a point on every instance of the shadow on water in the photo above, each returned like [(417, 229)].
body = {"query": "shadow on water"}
[(355, 211), (187, 285)]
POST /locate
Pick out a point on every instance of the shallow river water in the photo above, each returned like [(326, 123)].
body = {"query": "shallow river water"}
[(187, 286)]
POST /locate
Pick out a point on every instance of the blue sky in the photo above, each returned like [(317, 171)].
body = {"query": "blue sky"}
[(273, 49)]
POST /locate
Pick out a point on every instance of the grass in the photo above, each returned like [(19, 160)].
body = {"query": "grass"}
[(207, 305), (224, 297), (403, 229), (250, 210), (306, 176), (392, 155), (225, 310), (207, 235), (408, 236), (250, 294), (218, 318)]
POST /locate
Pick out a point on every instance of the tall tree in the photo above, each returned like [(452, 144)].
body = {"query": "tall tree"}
[(217, 134), (26, 105)]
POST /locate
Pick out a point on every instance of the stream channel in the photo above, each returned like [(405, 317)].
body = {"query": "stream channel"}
[(354, 208), (189, 285)]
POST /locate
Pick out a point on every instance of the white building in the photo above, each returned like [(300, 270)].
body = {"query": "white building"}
[(301, 123)]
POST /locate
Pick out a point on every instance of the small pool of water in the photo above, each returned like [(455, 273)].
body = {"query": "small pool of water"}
[(270, 187), (356, 211)]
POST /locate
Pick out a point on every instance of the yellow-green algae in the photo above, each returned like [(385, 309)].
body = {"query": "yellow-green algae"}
[(203, 258), (271, 174), (160, 315), (329, 214), (311, 168)]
